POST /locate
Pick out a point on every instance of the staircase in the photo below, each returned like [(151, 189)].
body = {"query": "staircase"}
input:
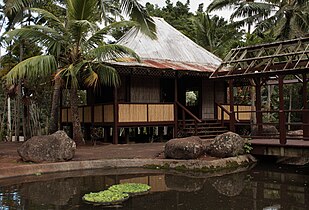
[(206, 129)]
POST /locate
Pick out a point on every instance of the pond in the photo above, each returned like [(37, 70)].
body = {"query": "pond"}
[(268, 187)]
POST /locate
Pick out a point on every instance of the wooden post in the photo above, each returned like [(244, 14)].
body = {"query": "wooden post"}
[(281, 112), (115, 128), (305, 113), (175, 105), (259, 118), (232, 116)]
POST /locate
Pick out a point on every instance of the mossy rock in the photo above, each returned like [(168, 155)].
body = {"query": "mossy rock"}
[(131, 188), (106, 197)]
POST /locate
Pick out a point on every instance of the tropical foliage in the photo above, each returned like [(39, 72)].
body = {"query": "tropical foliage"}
[(75, 48)]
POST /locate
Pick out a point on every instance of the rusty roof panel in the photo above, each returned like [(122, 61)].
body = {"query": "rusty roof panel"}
[(171, 50), (165, 64)]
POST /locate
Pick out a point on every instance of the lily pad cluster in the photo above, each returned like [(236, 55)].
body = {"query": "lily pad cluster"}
[(105, 196), (116, 194), (130, 188)]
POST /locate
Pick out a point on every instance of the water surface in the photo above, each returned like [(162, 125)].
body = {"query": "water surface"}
[(268, 187)]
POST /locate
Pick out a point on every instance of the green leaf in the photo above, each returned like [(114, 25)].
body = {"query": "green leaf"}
[(32, 68)]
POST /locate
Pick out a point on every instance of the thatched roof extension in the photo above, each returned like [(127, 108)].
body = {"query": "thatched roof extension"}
[(171, 50)]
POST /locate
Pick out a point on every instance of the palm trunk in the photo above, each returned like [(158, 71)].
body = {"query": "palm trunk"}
[(77, 129), (54, 116)]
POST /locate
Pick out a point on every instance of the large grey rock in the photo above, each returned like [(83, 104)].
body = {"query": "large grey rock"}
[(267, 130), (50, 148), (184, 148), (228, 144)]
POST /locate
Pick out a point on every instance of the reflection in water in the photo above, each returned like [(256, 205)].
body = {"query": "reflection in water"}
[(229, 185), (265, 188)]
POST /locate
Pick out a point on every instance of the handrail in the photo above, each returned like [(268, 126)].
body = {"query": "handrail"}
[(184, 111), (223, 109), (188, 112)]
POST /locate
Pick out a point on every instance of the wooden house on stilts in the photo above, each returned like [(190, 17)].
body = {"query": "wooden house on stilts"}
[(170, 87)]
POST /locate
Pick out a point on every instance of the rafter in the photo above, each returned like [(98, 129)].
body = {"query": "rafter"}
[(285, 57)]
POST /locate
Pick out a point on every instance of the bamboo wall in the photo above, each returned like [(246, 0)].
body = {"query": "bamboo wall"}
[(160, 112), (132, 112), (245, 112), (102, 113), (145, 90), (127, 113)]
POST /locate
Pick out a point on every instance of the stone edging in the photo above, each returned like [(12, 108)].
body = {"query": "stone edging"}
[(196, 165)]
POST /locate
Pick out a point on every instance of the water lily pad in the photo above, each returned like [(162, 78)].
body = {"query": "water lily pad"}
[(106, 197), (131, 188)]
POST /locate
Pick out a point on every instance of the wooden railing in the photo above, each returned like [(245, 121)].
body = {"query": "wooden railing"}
[(242, 115), (242, 112), (127, 113), (185, 111)]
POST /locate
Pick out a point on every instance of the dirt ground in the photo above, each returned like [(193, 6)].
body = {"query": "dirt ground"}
[(10, 158)]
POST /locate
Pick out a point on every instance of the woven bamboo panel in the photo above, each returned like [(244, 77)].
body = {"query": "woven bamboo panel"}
[(160, 112), (132, 113), (64, 115), (239, 116), (242, 115), (226, 116), (108, 113), (98, 114), (87, 114), (69, 115)]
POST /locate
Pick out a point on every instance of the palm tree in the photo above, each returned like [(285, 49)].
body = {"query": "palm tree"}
[(289, 20), (76, 49), (250, 11), (215, 34)]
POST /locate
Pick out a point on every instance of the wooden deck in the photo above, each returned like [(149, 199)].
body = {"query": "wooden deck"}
[(272, 147)]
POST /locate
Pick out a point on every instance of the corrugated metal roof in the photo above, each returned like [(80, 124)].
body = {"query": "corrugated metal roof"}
[(171, 50)]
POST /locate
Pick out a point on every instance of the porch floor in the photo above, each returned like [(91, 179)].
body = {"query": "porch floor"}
[(272, 147)]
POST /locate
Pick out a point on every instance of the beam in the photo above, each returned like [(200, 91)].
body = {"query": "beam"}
[(258, 105), (175, 105), (115, 128), (282, 121), (232, 116), (305, 114)]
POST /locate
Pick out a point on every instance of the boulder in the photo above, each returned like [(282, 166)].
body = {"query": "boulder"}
[(184, 148), (49, 148), (228, 144), (267, 130)]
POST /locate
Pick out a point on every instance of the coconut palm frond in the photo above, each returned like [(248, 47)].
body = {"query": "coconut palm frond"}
[(112, 52), (49, 17), (98, 36), (83, 24), (45, 36), (107, 75), (14, 6), (252, 9), (91, 78), (220, 4), (82, 9), (139, 14), (42, 65)]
